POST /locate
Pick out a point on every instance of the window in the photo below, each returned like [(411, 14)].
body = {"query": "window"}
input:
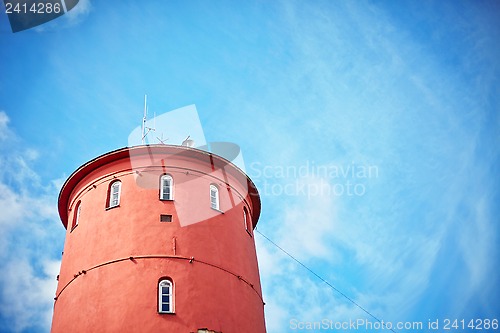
[(165, 296), (76, 216), (165, 218), (114, 194), (214, 197), (247, 220), (166, 187)]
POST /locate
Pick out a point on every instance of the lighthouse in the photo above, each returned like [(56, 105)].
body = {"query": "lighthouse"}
[(159, 238)]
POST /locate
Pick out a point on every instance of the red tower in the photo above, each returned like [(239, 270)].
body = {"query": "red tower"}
[(159, 239)]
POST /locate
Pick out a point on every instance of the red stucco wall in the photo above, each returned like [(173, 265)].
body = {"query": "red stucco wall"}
[(214, 263)]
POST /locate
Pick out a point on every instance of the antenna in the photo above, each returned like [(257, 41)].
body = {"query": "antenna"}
[(162, 140), (143, 135), (145, 129), (188, 142)]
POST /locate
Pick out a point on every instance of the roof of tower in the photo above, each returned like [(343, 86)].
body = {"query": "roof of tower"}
[(125, 153)]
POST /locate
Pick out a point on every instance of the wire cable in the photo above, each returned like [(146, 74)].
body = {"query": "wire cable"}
[(325, 281)]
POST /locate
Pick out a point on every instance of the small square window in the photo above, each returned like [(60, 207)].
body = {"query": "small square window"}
[(165, 218)]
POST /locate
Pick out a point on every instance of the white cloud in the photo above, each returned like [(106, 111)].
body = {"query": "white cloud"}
[(79, 12), (59, 182), (308, 221), (11, 206), (276, 314), (70, 19), (28, 230), (478, 232), (4, 129), (381, 97), (270, 262), (27, 297)]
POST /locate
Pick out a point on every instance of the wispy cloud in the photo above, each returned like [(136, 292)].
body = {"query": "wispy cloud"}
[(70, 19), (29, 235), (4, 129), (79, 13), (27, 295), (386, 99)]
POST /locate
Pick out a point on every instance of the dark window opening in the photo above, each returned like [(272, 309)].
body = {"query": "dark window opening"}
[(165, 218)]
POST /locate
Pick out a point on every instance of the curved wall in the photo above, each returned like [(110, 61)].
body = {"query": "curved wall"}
[(114, 258)]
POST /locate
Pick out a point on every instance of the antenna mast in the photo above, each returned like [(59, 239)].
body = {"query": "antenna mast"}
[(145, 129), (143, 134)]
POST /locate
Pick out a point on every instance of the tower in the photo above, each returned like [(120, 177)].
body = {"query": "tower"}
[(159, 239)]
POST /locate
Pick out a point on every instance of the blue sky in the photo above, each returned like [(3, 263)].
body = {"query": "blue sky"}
[(315, 93)]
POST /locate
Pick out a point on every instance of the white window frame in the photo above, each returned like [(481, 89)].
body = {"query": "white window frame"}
[(164, 178), (76, 217), (115, 184), (214, 197), (163, 283), (245, 218)]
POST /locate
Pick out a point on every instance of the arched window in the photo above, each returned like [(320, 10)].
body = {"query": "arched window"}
[(214, 197), (165, 296), (166, 187), (76, 215), (114, 194)]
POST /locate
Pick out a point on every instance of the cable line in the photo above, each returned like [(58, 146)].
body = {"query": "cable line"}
[(326, 282)]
